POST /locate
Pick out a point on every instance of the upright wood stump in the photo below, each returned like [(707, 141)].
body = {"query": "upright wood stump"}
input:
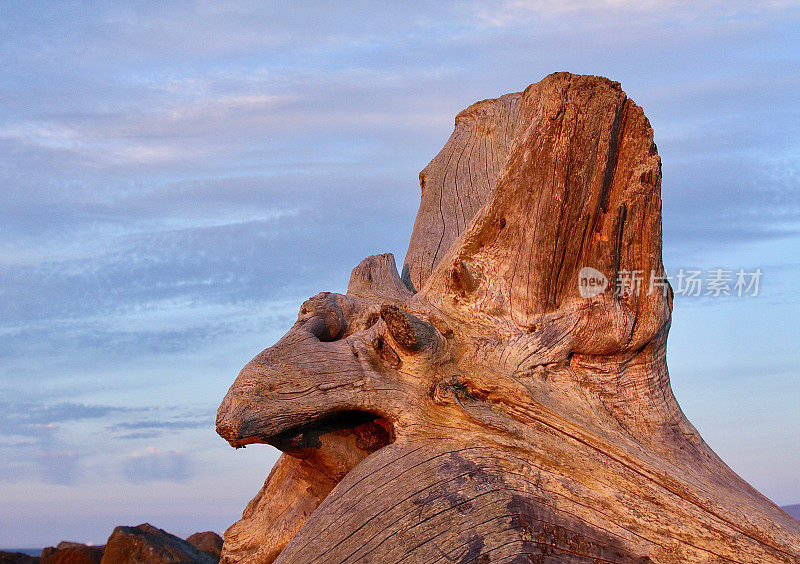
[(507, 398)]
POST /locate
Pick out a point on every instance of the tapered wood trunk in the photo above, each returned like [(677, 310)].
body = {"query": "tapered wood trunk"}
[(507, 399)]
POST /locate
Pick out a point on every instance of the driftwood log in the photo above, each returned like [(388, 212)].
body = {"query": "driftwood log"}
[(483, 407)]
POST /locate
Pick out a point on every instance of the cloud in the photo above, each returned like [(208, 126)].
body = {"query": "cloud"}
[(517, 12), (59, 466), (48, 442), (153, 464), (138, 435), (162, 424), (39, 420), (730, 202), (39, 439), (152, 428)]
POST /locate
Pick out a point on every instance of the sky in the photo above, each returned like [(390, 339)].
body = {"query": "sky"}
[(176, 178)]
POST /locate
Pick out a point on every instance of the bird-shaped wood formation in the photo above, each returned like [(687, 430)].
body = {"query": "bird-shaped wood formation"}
[(507, 398)]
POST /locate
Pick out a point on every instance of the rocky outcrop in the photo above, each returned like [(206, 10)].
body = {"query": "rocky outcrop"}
[(72, 553), (145, 543), (16, 558), (507, 398), (208, 542)]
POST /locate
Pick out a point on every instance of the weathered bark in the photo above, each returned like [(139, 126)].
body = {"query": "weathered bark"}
[(458, 181), (496, 414)]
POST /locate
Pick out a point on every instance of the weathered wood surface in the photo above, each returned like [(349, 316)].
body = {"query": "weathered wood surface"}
[(481, 410)]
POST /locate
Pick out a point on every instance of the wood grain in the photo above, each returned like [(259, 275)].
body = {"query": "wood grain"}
[(479, 408)]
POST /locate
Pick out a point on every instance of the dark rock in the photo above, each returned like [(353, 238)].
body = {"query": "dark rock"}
[(145, 543), (208, 542), (16, 558), (72, 553)]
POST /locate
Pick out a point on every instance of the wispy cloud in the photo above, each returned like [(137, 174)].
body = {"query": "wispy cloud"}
[(151, 428), (58, 466), (35, 438), (153, 464), (516, 12), (33, 419)]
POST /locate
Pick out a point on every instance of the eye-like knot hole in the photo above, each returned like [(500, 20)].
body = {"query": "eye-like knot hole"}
[(322, 316), (326, 326)]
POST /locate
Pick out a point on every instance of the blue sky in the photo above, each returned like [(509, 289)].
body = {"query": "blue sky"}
[(175, 180)]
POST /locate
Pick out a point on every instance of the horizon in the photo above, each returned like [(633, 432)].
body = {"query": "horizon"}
[(179, 179)]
